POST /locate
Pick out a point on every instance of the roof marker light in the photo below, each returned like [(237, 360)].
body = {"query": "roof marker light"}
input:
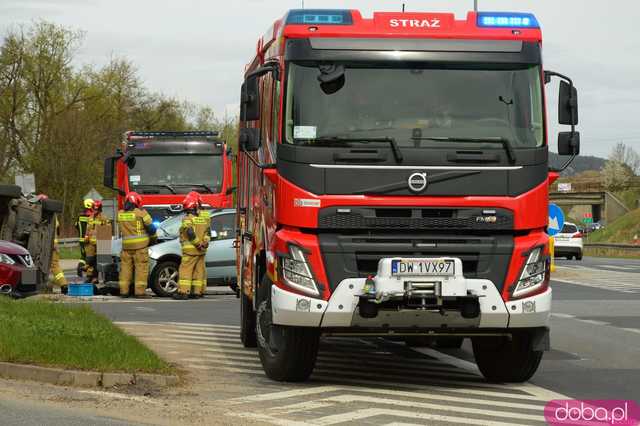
[(507, 20), (319, 17)]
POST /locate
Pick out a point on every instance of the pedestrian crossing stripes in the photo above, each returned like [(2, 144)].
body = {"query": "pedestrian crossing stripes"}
[(371, 381), (625, 282)]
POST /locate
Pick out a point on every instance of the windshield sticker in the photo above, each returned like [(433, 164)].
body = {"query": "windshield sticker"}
[(304, 132), (134, 179)]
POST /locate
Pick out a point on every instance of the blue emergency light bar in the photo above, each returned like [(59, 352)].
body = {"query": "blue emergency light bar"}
[(165, 134), (507, 20), (319, 17)]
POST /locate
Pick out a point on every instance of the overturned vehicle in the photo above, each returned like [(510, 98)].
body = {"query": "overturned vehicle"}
[(28, 221)]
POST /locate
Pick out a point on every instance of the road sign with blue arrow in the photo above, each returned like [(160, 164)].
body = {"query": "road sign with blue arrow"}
[(556, 220)]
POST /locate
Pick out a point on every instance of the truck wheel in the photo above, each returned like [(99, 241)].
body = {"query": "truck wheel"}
[(164, 278), (288, 354), (506, 361), (247, 322)]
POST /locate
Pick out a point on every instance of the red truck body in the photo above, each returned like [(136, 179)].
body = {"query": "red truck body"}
[(369, 146)]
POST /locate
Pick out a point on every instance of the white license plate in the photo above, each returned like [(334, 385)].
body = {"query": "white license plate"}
[(435, 267), (562, 239)]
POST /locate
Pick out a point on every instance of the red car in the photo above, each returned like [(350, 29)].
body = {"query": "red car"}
[(17, 272)]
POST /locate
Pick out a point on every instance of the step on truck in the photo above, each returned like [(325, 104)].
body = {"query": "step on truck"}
[(393, 181)]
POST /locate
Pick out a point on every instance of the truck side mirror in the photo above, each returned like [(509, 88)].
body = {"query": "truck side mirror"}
[(231, 190), (109, 172), (569, 143), (249, 139), (250, 100), (567, 104)]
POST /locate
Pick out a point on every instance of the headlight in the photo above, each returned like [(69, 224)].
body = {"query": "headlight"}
[(296, 272), (534, 274), (4, 258)]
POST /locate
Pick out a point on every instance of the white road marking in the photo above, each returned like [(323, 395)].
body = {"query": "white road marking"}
[(273, 396), (561, 315), (633, 330), (375, 402), (362, 414)]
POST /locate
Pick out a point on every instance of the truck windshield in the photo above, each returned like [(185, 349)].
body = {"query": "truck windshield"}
[(416, 106), (176, 174)]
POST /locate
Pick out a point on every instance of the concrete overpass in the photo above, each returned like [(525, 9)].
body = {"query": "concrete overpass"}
[(603, 205)]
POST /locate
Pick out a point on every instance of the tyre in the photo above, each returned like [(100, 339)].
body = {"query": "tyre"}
[(506, 361), (164, 278), (579, 256), (288, 354), (10, 191), (418, 341), (247, 322)]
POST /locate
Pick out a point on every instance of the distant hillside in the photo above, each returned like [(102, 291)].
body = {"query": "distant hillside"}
[(581, 163)]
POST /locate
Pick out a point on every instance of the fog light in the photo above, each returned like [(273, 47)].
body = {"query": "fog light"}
[(529, 307), (303, 305)]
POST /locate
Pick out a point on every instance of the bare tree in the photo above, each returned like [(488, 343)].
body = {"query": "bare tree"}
[(626, 155)]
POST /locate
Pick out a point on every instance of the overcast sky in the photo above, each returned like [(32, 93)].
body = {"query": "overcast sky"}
[(196, 49)]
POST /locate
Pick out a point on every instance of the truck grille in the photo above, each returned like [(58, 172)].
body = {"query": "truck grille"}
[(415, 219), (357, 255)]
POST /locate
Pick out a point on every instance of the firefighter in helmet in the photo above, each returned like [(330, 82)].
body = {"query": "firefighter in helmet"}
[(194, 238), (138, 232), (81, 225), (96, 219)]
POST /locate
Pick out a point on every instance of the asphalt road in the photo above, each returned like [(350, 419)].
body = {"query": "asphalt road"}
[(36, 414), (595, 331)]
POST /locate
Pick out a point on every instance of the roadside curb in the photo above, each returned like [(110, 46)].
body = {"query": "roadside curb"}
[(62, 377)]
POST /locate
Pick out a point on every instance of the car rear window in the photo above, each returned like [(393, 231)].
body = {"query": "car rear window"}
[(569, 229)]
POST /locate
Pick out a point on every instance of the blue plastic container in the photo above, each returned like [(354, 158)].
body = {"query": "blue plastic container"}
[(80, 289)]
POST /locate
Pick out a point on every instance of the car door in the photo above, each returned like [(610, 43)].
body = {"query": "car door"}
[(221, 255)]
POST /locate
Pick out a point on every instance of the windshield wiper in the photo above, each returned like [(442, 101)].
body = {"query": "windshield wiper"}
[(199, 185), (506, 144), (391, 141), (158, 185)]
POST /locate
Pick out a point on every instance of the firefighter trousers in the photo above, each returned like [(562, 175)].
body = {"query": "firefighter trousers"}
[(56, 270), (134, 263), (91, 251), (192, 274)]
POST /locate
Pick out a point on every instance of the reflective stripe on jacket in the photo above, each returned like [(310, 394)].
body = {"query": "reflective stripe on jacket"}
[(133, 228), (201, 225)]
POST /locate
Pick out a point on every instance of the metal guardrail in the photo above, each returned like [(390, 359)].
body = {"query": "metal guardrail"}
[(631, 247), (68, 242)]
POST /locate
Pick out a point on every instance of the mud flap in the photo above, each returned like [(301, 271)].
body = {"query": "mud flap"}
[(540, 340)]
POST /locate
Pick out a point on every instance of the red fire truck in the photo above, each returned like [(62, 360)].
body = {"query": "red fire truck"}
[(393, 181), (164, 166)]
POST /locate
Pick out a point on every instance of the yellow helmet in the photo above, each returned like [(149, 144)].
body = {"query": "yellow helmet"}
[(88, 203)]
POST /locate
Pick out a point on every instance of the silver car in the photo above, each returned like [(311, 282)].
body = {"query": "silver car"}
[(164, 257)]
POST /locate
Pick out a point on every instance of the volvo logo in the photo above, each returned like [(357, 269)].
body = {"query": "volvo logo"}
[(418, 182)]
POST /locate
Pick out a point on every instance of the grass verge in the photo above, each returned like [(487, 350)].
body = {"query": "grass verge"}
[(74, 337), (608, 252), (623, 230)]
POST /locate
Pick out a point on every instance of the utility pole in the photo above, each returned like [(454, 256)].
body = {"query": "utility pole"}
[(303, 4), (475, 5)]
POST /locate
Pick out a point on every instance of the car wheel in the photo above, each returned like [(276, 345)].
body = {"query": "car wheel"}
[(164, 280), (10, 191), (579, 256)]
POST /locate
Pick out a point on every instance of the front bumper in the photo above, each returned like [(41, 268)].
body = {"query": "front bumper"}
[(342, 310)]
